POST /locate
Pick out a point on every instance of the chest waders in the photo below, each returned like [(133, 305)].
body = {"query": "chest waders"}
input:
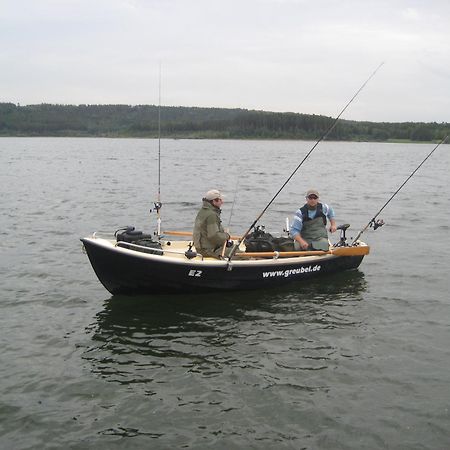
[(315, 233)]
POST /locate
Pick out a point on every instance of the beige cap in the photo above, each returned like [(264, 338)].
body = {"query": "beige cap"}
[(213, 194), (312, 192)]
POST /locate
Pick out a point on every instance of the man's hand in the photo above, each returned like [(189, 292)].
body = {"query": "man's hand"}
[(303, 244), (333, 227)]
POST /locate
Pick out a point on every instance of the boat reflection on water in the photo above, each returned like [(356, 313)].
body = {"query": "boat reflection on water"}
[(135, 339)]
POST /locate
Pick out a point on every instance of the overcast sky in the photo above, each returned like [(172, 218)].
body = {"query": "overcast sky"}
[(306, 56)]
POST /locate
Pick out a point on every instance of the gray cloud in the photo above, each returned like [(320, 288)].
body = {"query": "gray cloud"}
[(279, 55)]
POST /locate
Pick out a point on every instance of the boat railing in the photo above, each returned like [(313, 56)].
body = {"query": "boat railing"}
[(103, 235), (140, 248), (258, 255), (150, 250)]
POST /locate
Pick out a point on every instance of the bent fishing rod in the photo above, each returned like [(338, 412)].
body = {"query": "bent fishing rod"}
[(321, 138), (376, 224)]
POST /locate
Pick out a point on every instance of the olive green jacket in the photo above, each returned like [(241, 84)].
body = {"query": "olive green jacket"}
[(209, 235)]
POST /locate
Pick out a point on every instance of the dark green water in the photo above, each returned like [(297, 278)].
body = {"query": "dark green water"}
[(358, 360)]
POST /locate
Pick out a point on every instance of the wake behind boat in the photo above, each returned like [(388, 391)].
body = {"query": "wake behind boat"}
[(171, 266)]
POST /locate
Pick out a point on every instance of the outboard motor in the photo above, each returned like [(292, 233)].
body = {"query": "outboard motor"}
[(343, 239)]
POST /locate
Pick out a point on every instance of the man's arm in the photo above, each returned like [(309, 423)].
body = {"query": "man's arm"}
[(215, 235), (330, 214), (296, 228)]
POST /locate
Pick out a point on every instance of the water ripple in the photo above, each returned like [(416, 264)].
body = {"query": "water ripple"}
[(357, 360)]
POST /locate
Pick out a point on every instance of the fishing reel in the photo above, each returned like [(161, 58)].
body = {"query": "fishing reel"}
[(156, 207), (376, 223), (259, 231)]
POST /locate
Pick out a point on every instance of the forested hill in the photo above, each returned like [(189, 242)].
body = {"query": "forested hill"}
[(192, 122)]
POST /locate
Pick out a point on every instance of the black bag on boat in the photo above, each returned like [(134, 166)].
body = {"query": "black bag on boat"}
[(151, 246), (260, 241), (259, 244), (283, 244), (130, 234)]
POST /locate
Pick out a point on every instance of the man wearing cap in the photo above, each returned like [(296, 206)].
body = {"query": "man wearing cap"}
[(209, 235), (309, 227)]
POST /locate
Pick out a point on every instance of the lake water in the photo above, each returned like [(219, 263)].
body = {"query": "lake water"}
[(358, 360)]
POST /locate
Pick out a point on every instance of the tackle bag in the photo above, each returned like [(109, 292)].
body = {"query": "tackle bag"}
[(132, 236), (260, 241)]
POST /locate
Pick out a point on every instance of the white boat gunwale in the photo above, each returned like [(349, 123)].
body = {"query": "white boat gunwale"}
[(170, 256)]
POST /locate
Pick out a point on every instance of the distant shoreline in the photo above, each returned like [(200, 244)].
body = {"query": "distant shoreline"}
[(142, 121), (391, 141)]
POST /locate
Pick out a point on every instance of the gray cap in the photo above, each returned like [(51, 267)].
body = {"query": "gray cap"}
[(312, 192), (213, 194)]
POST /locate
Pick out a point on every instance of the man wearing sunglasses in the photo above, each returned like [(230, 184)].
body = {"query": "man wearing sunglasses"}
[(309, 227)]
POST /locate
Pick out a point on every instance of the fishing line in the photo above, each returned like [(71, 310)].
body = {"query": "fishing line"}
[(322, 137), (375, 224)]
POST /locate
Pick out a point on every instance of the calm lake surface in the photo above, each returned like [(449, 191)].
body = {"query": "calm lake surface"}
[(359, 360)]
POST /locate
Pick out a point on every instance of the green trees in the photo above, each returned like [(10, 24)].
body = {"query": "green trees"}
[(422, 133), (193, 122)]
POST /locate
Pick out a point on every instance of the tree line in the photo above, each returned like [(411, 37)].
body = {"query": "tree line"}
[(196, 122)]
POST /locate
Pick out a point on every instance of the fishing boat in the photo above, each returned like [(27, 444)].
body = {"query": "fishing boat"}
[(131, 262), (171, 265)]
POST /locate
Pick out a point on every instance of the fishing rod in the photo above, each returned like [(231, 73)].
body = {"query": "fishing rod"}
[(321, 138), (227, 230), (378, 223), (234, 200), (158, 204)]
